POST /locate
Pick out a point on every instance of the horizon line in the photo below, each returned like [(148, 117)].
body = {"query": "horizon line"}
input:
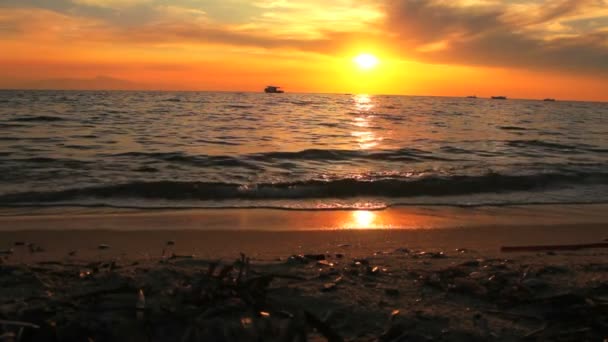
[(294, 92)]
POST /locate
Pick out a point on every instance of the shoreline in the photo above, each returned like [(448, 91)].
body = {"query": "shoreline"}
[(269, 234), (273, 219)]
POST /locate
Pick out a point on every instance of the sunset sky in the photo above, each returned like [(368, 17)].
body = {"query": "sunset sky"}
[(524, 49)]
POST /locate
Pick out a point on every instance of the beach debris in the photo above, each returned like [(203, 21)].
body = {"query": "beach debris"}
[(325, 263), (403, 250), (432, 255), (373, 270), (329, 287), (297, 260), (315, 256), (552, 269), (323, 328), (103, 246), (360, 261), (468, 286), (140, 305), (393, 292), (84, 274), (180, 256), (205, 300), (394, 313), (471, 263), (437, 255), (536, 248), (33, 248), (399, 329), (535, 283), (19, 324)]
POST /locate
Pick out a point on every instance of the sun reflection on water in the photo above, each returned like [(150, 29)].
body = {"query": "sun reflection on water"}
[(366, 139), (363, 102), (361, 219), (364, 218)]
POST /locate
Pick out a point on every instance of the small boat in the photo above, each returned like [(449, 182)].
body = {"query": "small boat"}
[(549, 100), (471, 97), (273, 90), (499, 97)]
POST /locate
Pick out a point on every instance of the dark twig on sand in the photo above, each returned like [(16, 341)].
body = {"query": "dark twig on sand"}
[(553, 247), (19, 324)]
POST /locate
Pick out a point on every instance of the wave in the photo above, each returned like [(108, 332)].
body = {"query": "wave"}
[(512, 128), (39, 118), (199, 160), (316, 189), (248, 160), (544, 144)]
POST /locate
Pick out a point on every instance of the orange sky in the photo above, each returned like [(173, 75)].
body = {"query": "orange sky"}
[(523, 49)]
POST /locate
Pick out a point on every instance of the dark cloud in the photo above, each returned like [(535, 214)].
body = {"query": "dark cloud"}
[(491, 36)]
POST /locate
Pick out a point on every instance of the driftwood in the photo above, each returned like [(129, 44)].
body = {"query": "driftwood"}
[(553, 247)]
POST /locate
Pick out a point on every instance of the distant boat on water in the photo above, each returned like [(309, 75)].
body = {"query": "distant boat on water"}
[(499, 97), (471, 97), (549, 100), (273, 90)]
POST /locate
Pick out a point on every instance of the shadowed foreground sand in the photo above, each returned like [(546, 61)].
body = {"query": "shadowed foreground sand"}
[(446, 282)]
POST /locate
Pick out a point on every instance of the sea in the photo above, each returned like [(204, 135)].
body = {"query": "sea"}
[(159, 150)]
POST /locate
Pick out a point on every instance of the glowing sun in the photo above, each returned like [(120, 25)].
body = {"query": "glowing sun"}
[(366, 61)]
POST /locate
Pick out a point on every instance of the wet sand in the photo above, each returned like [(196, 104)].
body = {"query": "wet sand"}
[(267, 234)]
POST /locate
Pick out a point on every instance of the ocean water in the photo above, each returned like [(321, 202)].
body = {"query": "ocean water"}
[(296, 151)]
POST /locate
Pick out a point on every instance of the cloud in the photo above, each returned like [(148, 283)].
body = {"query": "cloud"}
[(564, 35), (499, 34)]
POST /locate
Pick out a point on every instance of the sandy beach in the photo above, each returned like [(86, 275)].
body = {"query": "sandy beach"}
[(118, 275)]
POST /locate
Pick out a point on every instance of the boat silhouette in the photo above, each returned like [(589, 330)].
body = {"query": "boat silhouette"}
[(273, 90), (499, 97)]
